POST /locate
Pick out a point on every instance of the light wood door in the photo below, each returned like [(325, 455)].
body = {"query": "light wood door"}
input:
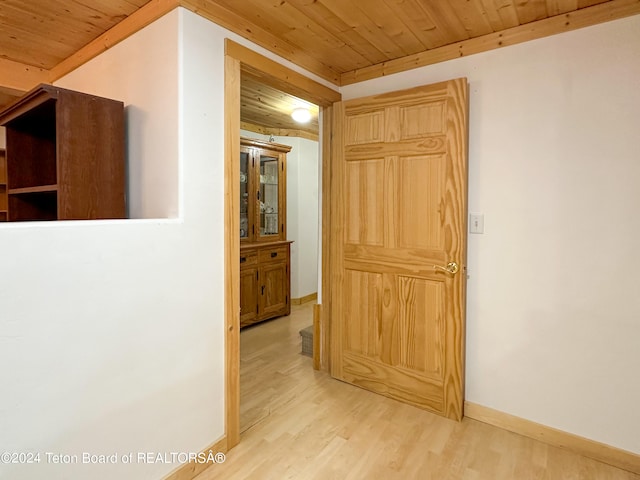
[(398, 219)]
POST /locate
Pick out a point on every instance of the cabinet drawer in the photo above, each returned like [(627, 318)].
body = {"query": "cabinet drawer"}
[(276, 254), (249, 258)]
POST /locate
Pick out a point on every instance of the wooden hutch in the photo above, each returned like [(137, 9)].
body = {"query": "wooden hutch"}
[(265, 276)]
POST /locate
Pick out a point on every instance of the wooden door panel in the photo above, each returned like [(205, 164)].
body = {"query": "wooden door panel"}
[(362, 297), (248, 295), (398, 383), (364, 202), (422, 119), (420, 325), (365, 128), (371, 197), (422, 180), (398, 218), (273, 289), (387, 320)]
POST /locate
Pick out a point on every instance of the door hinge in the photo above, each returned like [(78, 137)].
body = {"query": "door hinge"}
[(282, 166), (257, 276), (282, 228), (257, 307)]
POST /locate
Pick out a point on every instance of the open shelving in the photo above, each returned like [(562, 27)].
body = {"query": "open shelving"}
[(64, 156), (3, 186)]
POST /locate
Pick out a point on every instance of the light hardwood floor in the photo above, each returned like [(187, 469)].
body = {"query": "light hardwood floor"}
[(301, 424)]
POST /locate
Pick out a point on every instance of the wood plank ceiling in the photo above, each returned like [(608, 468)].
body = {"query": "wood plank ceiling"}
[(264, 109), (342, 41), (42, 33)]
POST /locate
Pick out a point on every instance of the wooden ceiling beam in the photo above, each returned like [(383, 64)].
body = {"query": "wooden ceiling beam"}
[(585, 17), (139, 19), (17, 78)]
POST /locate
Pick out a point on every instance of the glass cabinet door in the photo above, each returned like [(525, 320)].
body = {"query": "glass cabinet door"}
[(269, 198), (262, 191), (244, 195)]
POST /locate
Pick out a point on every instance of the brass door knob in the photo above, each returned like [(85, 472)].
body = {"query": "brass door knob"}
[(452, 268)]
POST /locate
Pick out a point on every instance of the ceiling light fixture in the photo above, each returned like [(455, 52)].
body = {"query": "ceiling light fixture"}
[(301, 115)]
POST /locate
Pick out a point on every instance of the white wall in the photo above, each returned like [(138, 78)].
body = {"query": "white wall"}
[(112, 331), (302, 210), (303, 161), (553, 304)]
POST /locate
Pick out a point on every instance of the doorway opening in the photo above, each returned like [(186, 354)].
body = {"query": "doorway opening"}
[(239, 60), (278, 266)]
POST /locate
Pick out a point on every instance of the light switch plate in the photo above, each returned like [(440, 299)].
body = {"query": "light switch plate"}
[(476, 222)]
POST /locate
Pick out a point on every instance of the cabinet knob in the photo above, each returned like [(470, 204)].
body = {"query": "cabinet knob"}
[(243, 259), (274, 254)]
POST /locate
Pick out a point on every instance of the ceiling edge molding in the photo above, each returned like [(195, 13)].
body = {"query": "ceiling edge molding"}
[(585, 17), (245, 28), (139, 19), (279, 132), (17, 78)]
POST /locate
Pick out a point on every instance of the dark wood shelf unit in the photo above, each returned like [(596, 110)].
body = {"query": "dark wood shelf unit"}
[(64, 156), (31, 145), (33, 206), (3, 186), (38, 189)]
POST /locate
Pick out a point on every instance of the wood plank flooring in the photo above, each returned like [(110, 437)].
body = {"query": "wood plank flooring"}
[(301, 424)]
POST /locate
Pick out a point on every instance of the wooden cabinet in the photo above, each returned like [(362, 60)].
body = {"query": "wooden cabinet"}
[(263, 205), (264, 281), (264, 252), (3, 186), (64, 156), (249, 278)]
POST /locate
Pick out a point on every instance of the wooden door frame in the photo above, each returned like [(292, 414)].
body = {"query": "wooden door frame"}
[(239, 58)]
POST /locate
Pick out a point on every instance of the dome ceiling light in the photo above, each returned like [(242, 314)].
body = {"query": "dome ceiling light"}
[(301, 115)]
